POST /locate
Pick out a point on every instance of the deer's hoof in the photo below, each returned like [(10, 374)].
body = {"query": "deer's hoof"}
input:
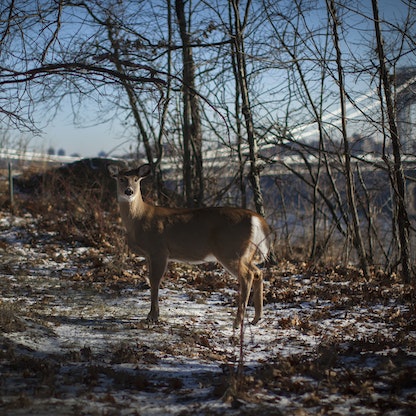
[(237, 323), (152, 318), (255, 320)]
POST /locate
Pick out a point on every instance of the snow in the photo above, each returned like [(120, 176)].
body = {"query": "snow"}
[(80, 343)]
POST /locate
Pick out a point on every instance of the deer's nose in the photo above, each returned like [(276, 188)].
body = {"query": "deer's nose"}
[(129, 192)]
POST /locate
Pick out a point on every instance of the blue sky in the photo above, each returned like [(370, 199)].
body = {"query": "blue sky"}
[(88, 141)]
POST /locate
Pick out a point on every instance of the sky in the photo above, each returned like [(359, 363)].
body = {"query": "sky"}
[(86, 141), (111, 136)]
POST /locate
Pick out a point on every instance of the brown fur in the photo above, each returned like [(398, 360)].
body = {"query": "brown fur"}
[(192, 235)]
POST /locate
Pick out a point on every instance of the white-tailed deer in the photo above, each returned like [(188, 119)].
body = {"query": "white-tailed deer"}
[(232, 236)]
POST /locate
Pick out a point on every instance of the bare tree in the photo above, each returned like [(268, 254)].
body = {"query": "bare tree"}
[(238, 121), (397, 175), (192, 134), (349, 180), (42, 62), (269, 66), (317, 160), (241, 71)]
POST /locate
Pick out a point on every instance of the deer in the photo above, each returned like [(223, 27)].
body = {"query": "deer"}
[(236, 238)]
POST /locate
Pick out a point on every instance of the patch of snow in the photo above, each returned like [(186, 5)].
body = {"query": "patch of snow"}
[(88, 349)]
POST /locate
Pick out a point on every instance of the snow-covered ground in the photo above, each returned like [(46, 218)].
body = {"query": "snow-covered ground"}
[(74, 341)]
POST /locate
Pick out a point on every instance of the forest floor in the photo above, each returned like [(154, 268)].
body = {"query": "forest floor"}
[(73, 337)]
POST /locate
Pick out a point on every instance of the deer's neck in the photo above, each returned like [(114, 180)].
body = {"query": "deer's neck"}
[(132, 210)]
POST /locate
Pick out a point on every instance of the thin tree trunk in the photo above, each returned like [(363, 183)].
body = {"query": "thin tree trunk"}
[(192, 136), (153, 152), (357, 237), (398, 179), (131, 94), (165, 106), (246, 107), (237, 106)]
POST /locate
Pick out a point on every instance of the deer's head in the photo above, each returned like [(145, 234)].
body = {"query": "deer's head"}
[(128, 181)]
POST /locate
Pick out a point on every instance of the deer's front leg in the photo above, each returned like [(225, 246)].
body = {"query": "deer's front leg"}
[(157, 267), (132, 245)]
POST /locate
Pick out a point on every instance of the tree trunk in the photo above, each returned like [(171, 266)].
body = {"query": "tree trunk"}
[(237, 106), (192, 136), (137, 113), (246, 107), (397, 177), (352, 206)]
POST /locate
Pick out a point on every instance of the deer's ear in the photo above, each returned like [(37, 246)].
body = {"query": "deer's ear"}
[(113, 170), (144, 170)]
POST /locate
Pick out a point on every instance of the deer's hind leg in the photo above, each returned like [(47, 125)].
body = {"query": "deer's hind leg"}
[(243, 271), (257, 293)]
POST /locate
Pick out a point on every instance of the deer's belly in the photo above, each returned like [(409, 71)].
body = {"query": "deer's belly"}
[(197, 260)]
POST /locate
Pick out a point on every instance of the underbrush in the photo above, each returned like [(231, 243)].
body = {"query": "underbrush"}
[(78, 203), (331, 342)]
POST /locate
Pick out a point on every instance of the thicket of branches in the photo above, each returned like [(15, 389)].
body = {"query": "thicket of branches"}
[(273, 88)]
